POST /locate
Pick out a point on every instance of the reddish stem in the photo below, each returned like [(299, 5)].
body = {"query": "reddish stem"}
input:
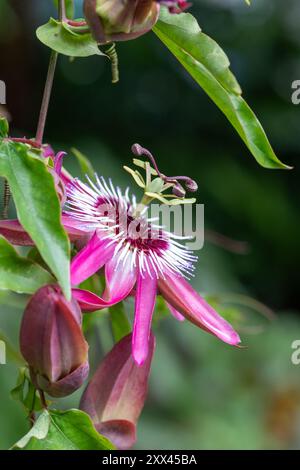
[(23, 140)]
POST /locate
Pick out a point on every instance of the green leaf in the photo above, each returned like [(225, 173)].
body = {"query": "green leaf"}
[(4, 127), (119, 322), (25, 392), (209, 66), (19, 274), (85, 165), (64, 40), (63, 430), (38, 207), (11, 353)]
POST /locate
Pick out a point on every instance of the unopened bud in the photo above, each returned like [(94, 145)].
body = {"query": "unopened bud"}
[(120, 20), (52, 342), (115, 396)]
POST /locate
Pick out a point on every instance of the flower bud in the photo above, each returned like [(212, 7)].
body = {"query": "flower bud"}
[(52, 342), (120, 20), (115, 396)]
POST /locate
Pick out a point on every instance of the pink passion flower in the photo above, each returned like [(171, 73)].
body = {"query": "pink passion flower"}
[(138, 256)]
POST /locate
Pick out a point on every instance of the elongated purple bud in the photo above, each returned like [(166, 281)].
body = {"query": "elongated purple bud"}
[(52, 342), (115, 396)]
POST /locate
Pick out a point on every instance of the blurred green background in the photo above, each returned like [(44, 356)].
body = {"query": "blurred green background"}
[(203, 394)]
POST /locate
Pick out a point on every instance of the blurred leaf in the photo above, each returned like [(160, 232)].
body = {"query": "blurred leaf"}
[(161, 310), (38, 207), (63, 430), (25, 392), (64, 40), (85, 165), (119, 322), (20, 274), (4, 127), (11, 352), (209, 66)]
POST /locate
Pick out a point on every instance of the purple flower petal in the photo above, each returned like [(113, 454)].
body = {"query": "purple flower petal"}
[(120, 278), (144, 306), (175, 313), (180, 294), (90, 302), (90, 259), (13, 231)]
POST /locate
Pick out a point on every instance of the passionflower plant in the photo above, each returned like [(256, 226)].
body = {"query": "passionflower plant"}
[(139, 257), (52, 342), (121, 20)]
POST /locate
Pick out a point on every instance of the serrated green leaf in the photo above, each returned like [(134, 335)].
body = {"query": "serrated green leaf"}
[(63, 430), (209, 66), (64, 40), (19, 274), (38, 207), (119, 322)]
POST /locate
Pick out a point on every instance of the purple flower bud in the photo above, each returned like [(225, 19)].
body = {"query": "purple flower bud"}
[(52, 342), (120, 20), (116, 394)]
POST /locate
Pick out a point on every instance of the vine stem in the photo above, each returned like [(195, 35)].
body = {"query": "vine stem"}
[(43, 400), (62, 10), (46, 98), (49, 82)]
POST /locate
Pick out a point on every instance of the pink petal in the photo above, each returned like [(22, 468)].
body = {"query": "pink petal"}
[(13, 231), (144, 306), (73, 229), (120, 278), (90, 302), (175, 313), (180, 294), (90, 259), (115, 396), (58, 161)]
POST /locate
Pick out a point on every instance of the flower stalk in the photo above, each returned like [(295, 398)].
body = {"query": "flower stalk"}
[(49, 82)]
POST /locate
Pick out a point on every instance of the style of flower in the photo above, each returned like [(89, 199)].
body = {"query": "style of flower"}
[(139, 257)]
